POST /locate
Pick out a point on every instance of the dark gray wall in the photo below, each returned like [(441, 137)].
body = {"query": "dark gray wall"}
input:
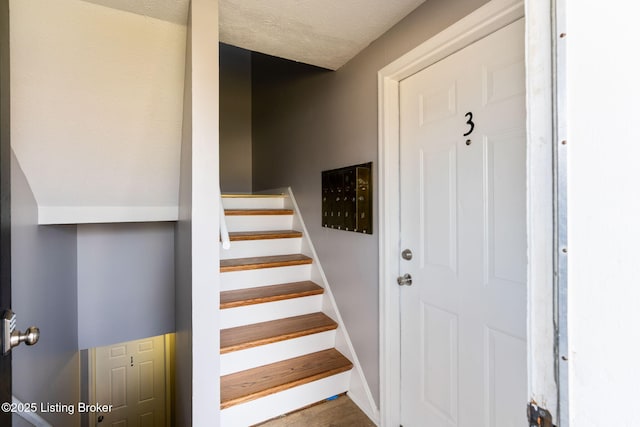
[(235, 119), (306, 120), (125, 282), (45, 295)]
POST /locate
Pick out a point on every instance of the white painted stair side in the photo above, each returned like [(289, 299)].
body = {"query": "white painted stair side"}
[(358, 390)]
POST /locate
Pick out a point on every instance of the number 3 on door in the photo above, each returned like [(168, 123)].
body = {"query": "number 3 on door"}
[(472, 125)]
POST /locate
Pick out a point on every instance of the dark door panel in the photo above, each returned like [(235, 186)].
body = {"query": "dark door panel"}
[(5, 206)]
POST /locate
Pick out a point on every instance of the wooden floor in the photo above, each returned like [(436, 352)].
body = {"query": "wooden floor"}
[(341, 412)]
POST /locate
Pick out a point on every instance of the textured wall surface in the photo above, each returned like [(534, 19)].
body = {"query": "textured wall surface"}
[(306, 120), (97, 107)]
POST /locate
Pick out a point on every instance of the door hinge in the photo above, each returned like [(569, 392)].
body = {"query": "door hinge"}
[(538, 417)]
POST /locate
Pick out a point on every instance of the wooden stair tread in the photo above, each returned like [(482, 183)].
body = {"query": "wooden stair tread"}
[(253, 263), (258, 382), (235, 236), (237, 212), (242, 337), (262, 294)]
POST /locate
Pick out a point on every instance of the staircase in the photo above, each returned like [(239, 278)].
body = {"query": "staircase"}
[(276, 344)]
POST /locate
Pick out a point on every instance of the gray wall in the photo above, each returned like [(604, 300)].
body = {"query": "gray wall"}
[(235, 119), (125, 282), (183, 289), (45, 295), (306, 120)]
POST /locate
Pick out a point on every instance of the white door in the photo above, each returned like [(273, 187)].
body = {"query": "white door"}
[(131, 377), (462, 154)]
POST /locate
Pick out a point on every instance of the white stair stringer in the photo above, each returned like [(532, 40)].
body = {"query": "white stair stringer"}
[(273, 405), (359, 390)]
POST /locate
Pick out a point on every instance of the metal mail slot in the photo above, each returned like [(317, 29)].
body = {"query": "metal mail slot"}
[(346, 198)]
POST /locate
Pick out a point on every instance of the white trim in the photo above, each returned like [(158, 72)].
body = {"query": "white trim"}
[(49, 215), (359, 390), (485, 20), (541, 328), (224, 231), (91, 382), (31, 417), (169, 344)]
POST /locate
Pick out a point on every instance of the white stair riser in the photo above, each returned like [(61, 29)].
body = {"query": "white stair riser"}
[(271, 406), (246, 315), (233, 280), (258, 222), (275, 352), (253, 202), (253, 248)]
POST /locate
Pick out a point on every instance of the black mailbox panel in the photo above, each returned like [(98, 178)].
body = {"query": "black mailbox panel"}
[(346, 198)]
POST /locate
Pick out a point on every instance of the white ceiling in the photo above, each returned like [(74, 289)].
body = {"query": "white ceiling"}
[(325, 33), (176, 11)]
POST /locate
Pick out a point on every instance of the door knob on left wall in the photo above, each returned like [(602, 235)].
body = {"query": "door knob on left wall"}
[(12, 337)]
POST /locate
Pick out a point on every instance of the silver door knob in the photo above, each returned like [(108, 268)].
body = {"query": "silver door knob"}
[(11, 337), (29, 337), (405, 280), (407, 254)]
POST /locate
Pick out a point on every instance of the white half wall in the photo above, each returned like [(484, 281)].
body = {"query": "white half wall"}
[(97, 110), (197, 257)]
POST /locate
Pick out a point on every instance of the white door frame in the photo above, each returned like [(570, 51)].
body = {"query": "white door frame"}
[(492, 16)]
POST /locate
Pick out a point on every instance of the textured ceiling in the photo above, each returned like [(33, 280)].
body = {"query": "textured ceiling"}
[(325, 33), (176, 11)]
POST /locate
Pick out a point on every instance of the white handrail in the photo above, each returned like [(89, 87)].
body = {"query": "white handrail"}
[(224, 231), (31, 417)]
